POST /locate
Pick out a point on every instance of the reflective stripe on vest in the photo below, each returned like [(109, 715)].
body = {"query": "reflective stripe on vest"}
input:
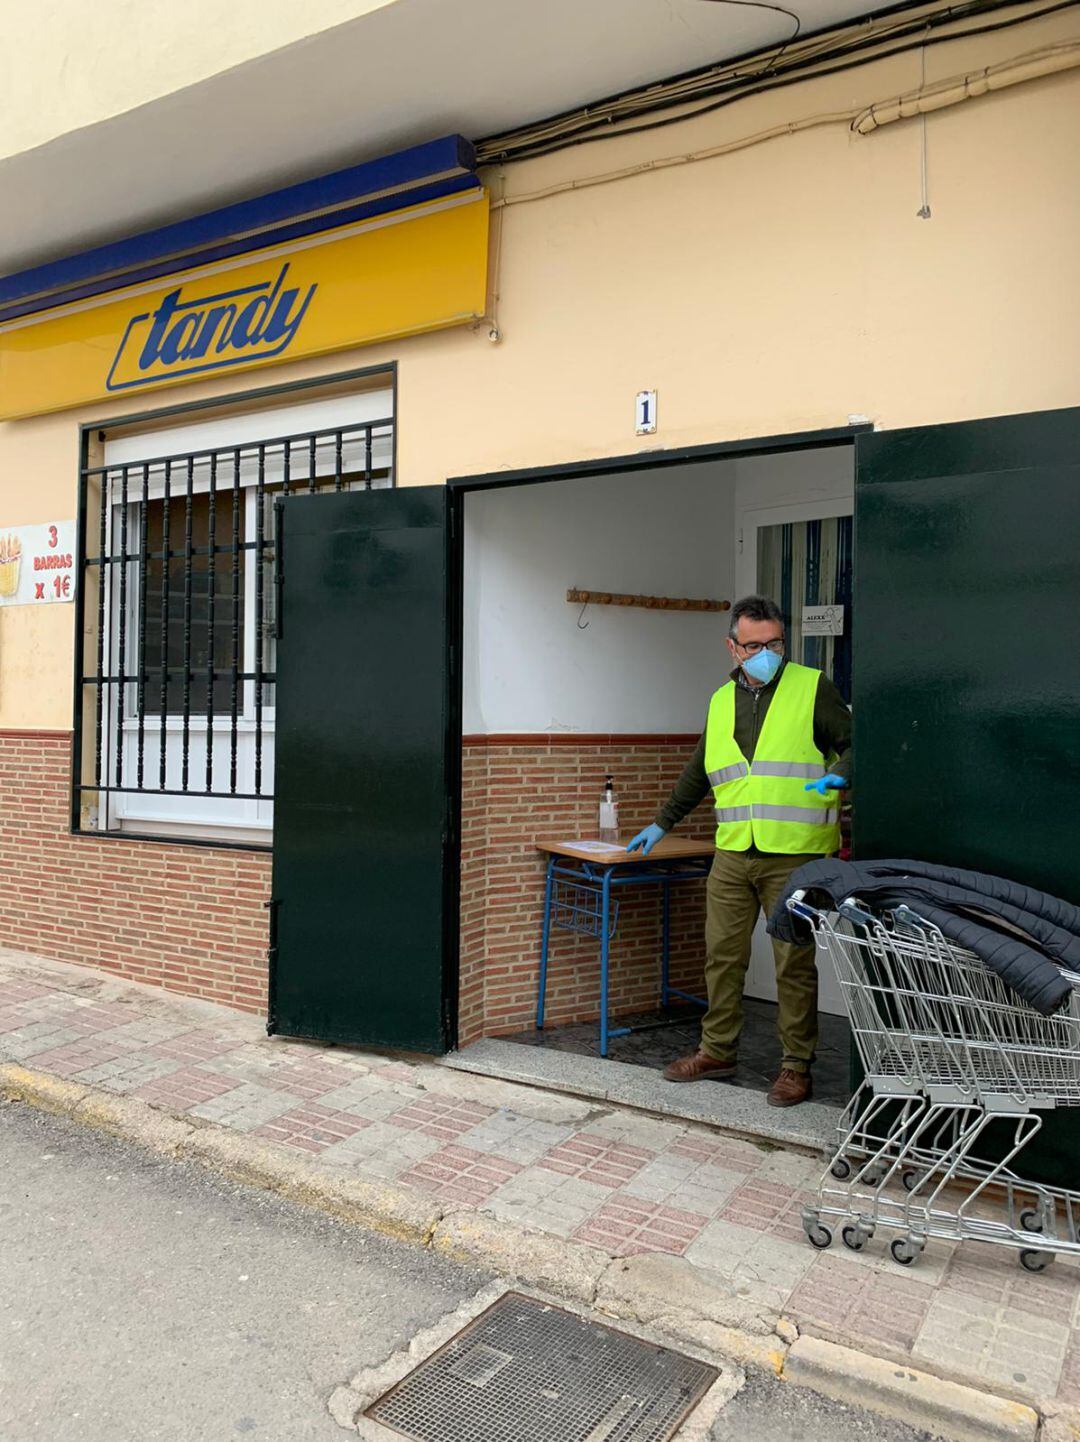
[(765, 803)]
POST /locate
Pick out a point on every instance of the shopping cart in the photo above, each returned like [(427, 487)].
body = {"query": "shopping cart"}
[(958, 1071)]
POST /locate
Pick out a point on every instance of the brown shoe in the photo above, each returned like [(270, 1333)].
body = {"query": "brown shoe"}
[(790, 1088), (699, 1066)]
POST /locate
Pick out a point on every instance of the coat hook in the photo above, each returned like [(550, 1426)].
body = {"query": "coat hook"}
[(581, 613)]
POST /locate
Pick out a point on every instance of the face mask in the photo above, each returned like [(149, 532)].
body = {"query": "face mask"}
[(763, 667)]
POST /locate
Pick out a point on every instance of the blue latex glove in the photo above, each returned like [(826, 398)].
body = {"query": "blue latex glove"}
[(825, 784), (647, 839)]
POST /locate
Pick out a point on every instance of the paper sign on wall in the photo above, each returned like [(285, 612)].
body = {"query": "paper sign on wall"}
[(37, 564), (823, 621)]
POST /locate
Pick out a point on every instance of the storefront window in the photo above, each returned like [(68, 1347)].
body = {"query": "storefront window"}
[(176, 705)]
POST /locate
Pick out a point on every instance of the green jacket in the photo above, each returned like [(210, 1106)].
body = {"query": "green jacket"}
[(832, 736)]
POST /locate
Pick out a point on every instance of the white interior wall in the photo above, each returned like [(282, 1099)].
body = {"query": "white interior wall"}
[(527, 665)]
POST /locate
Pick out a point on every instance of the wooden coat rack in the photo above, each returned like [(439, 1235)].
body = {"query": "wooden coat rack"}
[(648, 603)]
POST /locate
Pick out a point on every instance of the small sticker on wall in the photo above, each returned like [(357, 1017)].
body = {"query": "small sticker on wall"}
[(823, 621), (645, 413)]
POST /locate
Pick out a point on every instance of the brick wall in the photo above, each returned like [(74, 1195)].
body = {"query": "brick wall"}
[(191, 919), (187, 918), (518, 788)]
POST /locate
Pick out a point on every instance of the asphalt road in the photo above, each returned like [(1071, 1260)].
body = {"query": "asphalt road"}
[(143, 1299)]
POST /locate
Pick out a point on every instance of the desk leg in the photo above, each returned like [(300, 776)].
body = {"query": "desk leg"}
[(545, 939), (665, 963), (605, 933)]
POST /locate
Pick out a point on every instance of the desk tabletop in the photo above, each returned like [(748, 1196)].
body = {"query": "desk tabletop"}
[(670, 848)]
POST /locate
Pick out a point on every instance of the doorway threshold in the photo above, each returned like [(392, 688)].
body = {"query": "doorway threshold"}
[(733, 1109)]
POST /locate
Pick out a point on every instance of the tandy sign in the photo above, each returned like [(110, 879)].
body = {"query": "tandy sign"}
[(413, 270), (191, 331)]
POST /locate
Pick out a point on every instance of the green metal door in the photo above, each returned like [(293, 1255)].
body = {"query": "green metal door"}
[(966, 680), (363, 893)]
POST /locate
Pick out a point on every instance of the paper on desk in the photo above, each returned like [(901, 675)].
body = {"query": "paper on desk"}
[(593, 845)]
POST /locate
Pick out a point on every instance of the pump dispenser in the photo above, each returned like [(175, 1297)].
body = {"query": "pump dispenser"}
[(609, 813)]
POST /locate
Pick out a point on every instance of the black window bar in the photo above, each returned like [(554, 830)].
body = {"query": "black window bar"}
[(176, 650)]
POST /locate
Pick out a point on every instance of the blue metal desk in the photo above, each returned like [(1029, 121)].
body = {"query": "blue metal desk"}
[(578, 897)]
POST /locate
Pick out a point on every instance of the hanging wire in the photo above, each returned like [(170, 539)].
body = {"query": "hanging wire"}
[(923, 211)]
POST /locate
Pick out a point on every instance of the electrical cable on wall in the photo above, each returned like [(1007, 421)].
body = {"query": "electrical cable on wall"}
[(828, 53)]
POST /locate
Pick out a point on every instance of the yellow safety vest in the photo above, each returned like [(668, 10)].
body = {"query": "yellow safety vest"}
[(765, 803)]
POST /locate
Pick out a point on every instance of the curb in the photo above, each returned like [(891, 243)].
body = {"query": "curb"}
[(945, 1409), (654, 1289)]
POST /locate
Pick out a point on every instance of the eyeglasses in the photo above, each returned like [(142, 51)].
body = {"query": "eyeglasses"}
[(753, 648)]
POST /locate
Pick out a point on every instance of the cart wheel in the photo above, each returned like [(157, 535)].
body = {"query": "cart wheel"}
[(1035, 1261), (854, 1237), (910, 1180), (1031, 1220), (841, 1169), (872, 1177), (819, 1235), (903, 1251)]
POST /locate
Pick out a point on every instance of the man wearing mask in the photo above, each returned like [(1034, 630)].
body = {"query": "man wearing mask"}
[(776, 753)]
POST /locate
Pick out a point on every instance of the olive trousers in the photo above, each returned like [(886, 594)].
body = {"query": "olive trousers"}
[(740, 885)]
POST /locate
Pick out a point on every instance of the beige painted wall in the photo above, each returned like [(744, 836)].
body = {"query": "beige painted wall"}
[(780, 288), (94, 59)]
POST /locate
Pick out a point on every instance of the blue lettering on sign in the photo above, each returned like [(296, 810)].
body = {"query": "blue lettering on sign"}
[(209, 333)]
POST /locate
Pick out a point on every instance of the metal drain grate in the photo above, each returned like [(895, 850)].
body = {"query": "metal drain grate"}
[(525, 1371)]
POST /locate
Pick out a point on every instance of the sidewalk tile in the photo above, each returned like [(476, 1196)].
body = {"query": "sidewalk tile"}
[(993, 1275), (729, 1153), (76, 1057), (1069, 1388), (758, 1265), (128, 1073), (245, 1107), (1006, 1348), (181, 1090), (626, 1229), (521, 1139), (459, 1174), (768, 1206), (884, 1306), (194, 1046), (444, 1117), (310, 1127), (594, 1158)]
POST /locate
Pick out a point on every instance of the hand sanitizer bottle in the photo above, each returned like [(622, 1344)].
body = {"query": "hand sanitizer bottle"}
[(609, 813)]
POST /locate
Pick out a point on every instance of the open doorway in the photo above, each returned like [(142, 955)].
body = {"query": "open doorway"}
[(557, 696)]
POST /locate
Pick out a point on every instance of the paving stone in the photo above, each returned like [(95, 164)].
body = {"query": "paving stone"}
[(992, 1274), (245, 1107), (38, 1037), (1012, 1350), (595, 1158), (759, 1265), (883, 1306), (768, 1206), (127, 1073), (627, 1228), (1069, 1386), (699, 1189), (728, 1153), (459, 1174), (188, 1087)]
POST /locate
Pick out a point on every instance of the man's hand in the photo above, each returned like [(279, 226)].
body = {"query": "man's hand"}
[(645, 840), (824, 784)]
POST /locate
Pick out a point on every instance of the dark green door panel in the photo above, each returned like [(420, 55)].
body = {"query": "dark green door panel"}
[(361, 881), (966, 686)]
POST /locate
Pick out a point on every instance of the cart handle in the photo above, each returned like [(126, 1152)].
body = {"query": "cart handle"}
[(852, 911), (798, 907), (908, 917)]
